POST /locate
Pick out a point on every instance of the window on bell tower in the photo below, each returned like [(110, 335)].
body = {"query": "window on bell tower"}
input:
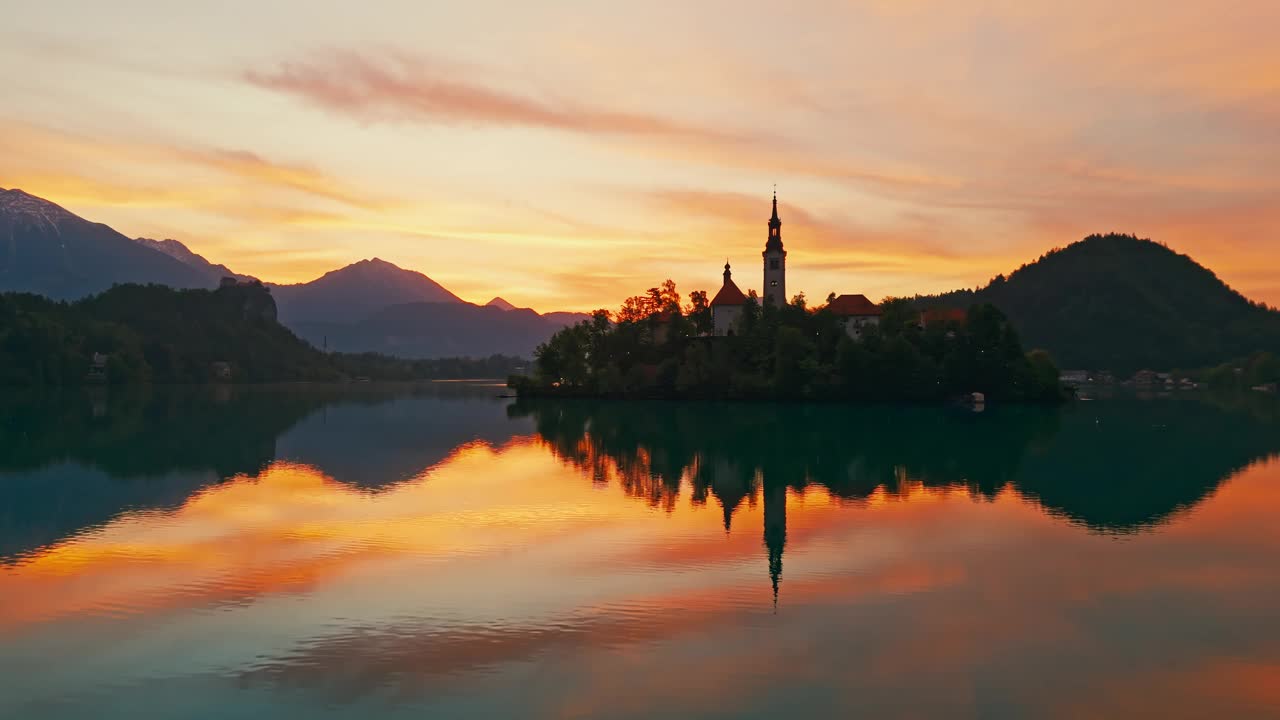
[(773, 263)]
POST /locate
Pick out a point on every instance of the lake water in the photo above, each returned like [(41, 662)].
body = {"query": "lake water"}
[(443, 553)]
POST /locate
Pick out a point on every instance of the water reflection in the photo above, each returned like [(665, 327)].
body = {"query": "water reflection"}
[(1115, 466), (276, 552), (75, 459)]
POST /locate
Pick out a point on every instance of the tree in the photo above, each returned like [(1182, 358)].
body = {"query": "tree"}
[(793, 362), (699, 312)]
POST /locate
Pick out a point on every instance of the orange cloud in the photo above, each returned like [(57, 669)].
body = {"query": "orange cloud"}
[(399, 87), (61, 163), (253, 167)]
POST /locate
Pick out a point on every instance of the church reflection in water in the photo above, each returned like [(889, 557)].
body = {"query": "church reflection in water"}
[(262, 550), (1116, 467), (77, 460)]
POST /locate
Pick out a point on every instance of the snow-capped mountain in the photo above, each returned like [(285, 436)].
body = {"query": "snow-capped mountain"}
[(48, 250), (24, 210)]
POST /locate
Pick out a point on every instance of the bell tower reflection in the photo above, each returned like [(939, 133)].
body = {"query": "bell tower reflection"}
[(733, 483), (775, 531)]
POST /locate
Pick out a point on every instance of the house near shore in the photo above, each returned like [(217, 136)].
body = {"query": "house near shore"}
[(1074, 377), (97, 368), (856, 312), (220, 370), (941, 315)]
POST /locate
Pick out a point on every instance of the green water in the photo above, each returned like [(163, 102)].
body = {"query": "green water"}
[(443, 552)]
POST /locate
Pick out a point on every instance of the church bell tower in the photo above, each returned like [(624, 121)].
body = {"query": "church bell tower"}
[(775, 260)]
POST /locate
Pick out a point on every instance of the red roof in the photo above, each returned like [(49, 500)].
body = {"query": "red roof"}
[(939, 315), (729, 295), (853, 306)]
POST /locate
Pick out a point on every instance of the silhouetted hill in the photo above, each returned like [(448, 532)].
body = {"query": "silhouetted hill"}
[(353, 292), (45, 249), (153, 332), (500, 303), (176, 250), (439, 330), (1120, 303)]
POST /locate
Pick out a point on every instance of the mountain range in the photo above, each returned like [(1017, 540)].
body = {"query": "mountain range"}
[(368, 306), (1112, 301)]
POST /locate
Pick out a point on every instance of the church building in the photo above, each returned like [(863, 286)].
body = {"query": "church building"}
[(726, 306), (856, 312)]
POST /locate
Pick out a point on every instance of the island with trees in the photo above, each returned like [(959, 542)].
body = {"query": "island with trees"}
[(655, 347)]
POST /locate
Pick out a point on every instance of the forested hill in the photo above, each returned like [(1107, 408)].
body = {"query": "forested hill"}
[(138, 333), (1119, 303), (152, 332)]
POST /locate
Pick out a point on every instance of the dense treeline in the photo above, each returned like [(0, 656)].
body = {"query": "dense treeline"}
[(1118, 303), (655, 348), (153, 333), (1259, 369), (385, 367)]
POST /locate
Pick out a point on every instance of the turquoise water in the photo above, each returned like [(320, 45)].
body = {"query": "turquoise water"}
[(442, 552)]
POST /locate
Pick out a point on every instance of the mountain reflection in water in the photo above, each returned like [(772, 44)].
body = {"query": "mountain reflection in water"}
[(302, 551)]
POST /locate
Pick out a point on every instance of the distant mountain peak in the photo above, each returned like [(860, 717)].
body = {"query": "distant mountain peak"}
[(352, 292), (375, 264), (180, 252), (19, 205), (501, 304)]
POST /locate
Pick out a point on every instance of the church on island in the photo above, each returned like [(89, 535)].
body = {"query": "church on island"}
[(856, 311)]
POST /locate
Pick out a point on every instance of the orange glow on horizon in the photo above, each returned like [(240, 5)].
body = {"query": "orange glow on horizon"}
[(534, 175)]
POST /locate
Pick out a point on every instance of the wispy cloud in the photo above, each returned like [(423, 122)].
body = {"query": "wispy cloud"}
[(33, 152), (402, 88), (250, 166)]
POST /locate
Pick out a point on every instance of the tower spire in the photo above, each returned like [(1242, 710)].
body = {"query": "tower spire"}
[(775, 258)]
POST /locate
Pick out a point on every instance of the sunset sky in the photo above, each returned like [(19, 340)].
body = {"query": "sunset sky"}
[(567, 153)]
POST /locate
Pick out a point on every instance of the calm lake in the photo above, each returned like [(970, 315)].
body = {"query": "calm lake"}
[(440, 552)]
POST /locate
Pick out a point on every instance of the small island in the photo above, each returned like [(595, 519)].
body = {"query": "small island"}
[(743, 346)]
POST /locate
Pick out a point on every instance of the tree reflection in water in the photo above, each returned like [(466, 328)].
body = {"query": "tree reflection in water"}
[(1118, 466)]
